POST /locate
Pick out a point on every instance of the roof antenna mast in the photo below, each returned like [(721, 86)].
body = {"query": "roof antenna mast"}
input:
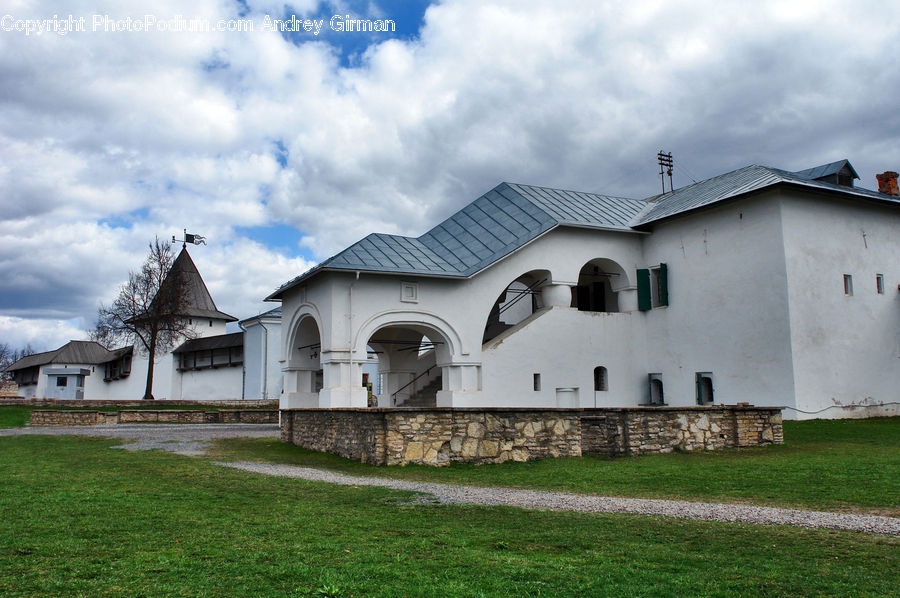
[(665, 168), (189, 238)]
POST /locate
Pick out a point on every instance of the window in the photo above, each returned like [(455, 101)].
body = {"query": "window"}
[(658, 286), (79, 381), (600, 382), (879, 284), (220, 357), (653, 287), (62, 381), (216, 358), (704, 388), (537, 382), (848, 284), (120, 368), (657, 396)]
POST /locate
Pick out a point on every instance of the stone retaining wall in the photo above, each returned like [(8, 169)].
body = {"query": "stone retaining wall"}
[(95, 403), (439, 436), (642, 430), (435, 436), (62, 417)]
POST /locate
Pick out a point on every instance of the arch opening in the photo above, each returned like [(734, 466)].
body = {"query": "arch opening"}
[(520, 299), (406, 358), (304, 376), (598, 283)]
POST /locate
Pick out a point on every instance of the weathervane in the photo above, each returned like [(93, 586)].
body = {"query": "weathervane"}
[(665, 160), (189, 238)]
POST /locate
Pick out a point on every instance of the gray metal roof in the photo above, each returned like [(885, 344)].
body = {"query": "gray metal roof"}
[(510, 215), (272, 313), (497, 223), (742, 181), (86, 352), (824, 170), (206, 343)]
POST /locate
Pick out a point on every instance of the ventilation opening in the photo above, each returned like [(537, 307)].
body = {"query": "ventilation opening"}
[(704, 388), (537, 382), (600, 381), (657, 396)]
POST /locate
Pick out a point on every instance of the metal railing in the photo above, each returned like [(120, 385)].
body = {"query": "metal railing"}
[(410, 383)]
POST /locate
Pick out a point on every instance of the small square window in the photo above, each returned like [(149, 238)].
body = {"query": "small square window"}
[(409, 292), (537, 382), (879, 284), (62, 381), (848, 284)]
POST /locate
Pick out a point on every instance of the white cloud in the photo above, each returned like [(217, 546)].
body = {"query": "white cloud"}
[(109, 139)]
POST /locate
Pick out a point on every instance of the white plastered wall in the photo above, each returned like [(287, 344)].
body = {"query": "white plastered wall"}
[(846, 348), (455, 309), (728, 305)]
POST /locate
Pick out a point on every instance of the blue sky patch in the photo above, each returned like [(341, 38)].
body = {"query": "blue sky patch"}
[(278, 237), (407, 18), (125, 220), (281, 152)]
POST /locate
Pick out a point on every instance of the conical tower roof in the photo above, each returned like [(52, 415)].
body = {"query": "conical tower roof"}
[(199, 303)]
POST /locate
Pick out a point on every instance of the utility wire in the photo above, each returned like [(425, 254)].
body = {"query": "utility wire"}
[(839, 407)]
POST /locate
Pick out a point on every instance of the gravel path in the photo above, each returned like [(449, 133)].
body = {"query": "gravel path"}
[(183, 439), (561, 501), (192, 439)]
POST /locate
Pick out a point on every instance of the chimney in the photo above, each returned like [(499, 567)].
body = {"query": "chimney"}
[(887, 183)]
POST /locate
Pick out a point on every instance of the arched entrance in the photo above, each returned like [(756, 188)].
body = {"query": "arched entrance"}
[(519, 299), (303, 378), (408, 370)]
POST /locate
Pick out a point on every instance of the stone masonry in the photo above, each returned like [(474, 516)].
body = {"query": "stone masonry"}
[(64, 417), (642, 430), (435, 436), (439, 436)]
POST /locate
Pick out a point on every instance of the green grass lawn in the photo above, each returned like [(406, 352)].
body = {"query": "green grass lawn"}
[(14, 416), (80, 519), (838, 465)]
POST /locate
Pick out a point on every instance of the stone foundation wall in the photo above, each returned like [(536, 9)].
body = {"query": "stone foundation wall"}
[(62, 417), (439, 436), (642, 430), (435, 436), (481, 436), (357, 434), (94, 403)]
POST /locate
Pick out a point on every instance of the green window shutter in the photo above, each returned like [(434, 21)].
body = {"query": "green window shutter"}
[(643, 284), (663, 284)]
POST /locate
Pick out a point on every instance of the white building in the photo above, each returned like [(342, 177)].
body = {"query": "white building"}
[(208, 366), (262, 355), (760, 285)]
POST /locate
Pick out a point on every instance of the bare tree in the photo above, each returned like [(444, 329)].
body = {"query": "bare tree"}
[(149, 310), (9, 356)]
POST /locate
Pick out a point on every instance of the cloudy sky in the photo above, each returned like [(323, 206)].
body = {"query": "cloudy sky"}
[(283, 147)]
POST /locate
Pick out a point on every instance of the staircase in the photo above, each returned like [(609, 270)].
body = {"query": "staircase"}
[(425, 396)]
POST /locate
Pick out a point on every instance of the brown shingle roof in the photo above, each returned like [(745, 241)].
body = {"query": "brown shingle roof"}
[(72, 352)]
